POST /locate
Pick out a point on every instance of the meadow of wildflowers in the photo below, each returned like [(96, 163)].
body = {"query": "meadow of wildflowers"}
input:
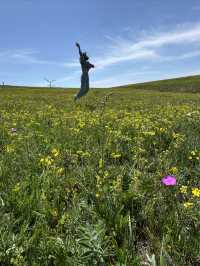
[(111, 180)]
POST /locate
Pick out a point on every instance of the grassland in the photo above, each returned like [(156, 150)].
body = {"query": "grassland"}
[(80, 184), (183, 84)]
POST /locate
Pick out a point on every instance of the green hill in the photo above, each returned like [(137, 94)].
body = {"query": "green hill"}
[(182, 84), (185, 84)]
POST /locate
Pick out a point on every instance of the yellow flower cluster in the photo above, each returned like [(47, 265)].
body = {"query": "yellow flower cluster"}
[(188, 204), (55, 152), (162, 130), (10, 148), (193, 155), (183, 189), (60, 170), (16, 187), (196, 192), (47, 161), (174, 170)]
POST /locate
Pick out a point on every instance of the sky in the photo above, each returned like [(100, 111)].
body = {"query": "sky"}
[(128, 41)]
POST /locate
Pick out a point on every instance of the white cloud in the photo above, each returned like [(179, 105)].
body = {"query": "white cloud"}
[(111, 82), (179, 36), (63, 80), (72, 76), (125, 78), (148, 48), (182, 56), (118, 50), (140, 77), (126, 56), (71, 64), (28, 56), (121, 50)]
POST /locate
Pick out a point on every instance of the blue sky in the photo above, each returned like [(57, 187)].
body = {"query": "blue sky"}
[(128, 41)]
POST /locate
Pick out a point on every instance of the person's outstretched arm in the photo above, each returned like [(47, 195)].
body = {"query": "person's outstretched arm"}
[(79, 48), (92, 66)]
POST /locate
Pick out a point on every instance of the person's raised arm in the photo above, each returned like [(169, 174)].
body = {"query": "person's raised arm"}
[(79, 48)]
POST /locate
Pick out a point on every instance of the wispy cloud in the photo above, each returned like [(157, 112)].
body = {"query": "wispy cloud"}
[(148, 47), (189, 34), (182, 56), (125, 78), (63, 80), (72, 76), (118, 50), (112, 59), (156, 46), (28, 56)]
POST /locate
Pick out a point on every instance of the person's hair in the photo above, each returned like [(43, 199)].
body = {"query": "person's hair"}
[(85, 56)]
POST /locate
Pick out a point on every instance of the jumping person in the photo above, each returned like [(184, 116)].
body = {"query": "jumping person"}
[(86, 66)]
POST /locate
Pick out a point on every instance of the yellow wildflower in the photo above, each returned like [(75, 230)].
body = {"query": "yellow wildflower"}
[(188, 204), (42, 160), (60, 170), (83, 154), (55, 152), (10, 148), (116, 155), (106, 174), (174, 170), (196, 192), (174, 135), (46, 161), (43, 196), (101, 163), (16, 188), (183, 189), (98, 179), (97, 195), (54, 212)]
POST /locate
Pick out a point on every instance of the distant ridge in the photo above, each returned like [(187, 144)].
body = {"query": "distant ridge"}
[(182, 84)]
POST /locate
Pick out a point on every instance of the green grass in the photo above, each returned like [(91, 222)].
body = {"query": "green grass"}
[(184, 84), (80, 184)]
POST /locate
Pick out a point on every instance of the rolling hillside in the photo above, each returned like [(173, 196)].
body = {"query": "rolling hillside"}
[(182, 84), (185, 84)]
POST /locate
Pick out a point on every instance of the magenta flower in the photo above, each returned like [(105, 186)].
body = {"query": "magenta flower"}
[(169, 180)]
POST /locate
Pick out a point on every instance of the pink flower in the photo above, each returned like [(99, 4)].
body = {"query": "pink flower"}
[(169, 180)]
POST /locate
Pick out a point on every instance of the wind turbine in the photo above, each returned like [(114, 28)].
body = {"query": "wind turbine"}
[(50, 82)]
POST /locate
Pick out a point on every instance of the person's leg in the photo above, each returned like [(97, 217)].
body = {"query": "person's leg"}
[(82, 81), (78, 95), (87, 83), (84, 86)]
